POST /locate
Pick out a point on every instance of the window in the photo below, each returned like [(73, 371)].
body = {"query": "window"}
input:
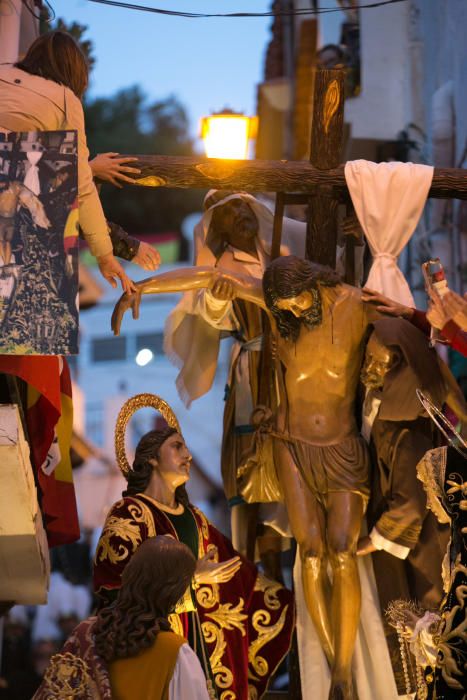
[(108, 349), (152, 341)]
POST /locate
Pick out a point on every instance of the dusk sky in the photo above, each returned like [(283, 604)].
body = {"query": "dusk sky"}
[(207, 63)]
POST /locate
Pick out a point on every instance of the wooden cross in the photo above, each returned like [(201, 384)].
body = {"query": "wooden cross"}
[(321, 182)]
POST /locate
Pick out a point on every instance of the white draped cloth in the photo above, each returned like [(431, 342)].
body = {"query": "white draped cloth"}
[(388, 199), (371, 667)]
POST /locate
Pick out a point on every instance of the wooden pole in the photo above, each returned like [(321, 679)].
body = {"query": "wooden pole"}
[(325, 153), (269, 176)]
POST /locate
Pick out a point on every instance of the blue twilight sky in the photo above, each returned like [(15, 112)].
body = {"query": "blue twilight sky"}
[(207, 63)]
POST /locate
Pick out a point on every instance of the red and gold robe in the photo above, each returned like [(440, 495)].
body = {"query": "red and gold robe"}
[(247, 623)]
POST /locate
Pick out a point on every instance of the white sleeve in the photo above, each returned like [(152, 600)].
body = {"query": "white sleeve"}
[(188, 680), (380, 542)]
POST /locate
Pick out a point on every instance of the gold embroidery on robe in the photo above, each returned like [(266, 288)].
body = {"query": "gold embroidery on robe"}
[(266, 633), (176, 624), (204, 530), (228, 617), (213, 634), (270, 589), (207, 595), (446, 660), (67, 676), (126, 529), (392, 530)]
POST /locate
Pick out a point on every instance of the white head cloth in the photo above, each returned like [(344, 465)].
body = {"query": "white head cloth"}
[(388, 199), (293, 232), (190, 342), (31, 181)]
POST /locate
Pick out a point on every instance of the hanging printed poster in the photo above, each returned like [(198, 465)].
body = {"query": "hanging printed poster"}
[(38, 243)]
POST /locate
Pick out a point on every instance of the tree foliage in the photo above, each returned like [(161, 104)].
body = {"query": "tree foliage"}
[(126, 123)]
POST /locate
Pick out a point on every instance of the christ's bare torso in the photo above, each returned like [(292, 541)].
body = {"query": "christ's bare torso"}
[(322, 369), (9, 200)]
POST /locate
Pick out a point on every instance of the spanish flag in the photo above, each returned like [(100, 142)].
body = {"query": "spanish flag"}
[(49, 419), (71, 232)]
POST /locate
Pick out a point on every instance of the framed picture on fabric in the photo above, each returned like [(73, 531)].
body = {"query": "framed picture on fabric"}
[(39, 243)]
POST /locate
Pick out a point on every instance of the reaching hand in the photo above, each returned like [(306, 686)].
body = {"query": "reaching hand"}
[(455, 307), (365, 546), (208, 571), (436, 313), (126, 301), (223, 289), (387, 305), (110, 168), (147, 257), (111, 269)]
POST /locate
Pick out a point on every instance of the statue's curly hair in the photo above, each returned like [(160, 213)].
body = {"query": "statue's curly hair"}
[(288, 276), (140, 473), (153, 581)]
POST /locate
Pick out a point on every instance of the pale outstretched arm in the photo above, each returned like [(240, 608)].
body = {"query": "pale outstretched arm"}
[(226, 285), (29, 200)]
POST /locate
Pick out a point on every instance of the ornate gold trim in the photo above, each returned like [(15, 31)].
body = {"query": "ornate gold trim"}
[(266, 632), (126, 529), (126, 412), (178, 510), (270, 589), (67, 676), (228, 617)]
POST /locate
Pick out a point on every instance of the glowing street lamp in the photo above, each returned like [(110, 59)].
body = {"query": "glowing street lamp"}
[(226, 134)]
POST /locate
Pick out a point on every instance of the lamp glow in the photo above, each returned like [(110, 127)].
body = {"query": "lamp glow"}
[(143, 357), (226, 135)]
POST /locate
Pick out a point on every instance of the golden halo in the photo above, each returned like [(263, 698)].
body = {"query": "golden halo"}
[(127, 410)]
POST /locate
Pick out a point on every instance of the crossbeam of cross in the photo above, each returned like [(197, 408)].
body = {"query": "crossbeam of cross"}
[(322, 180)]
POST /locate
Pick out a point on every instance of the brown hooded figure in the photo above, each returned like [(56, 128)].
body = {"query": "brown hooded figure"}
[(408, 542)]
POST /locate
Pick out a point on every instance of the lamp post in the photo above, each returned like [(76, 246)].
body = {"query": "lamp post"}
[(226, 134)]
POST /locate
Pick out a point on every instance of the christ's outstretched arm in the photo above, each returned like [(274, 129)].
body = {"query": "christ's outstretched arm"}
[(224, 285)]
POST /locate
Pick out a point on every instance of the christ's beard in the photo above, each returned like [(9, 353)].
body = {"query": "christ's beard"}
[(314, 315)]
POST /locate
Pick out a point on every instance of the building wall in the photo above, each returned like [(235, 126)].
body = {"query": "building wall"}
[(443, 27), (381, 110), (408, 50), (107, 384)]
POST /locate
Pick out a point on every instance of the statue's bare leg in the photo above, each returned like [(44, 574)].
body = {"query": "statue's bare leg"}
[(6, 236), (344, 517), (7, 252), (307, 522)]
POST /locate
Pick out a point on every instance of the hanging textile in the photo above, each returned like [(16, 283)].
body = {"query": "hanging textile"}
[(388, 199)]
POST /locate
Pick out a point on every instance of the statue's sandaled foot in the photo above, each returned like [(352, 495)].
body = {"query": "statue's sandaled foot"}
[(342, 690)]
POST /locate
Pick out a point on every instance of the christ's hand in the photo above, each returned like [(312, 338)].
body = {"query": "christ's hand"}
[(126, 301), (223, 289)]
